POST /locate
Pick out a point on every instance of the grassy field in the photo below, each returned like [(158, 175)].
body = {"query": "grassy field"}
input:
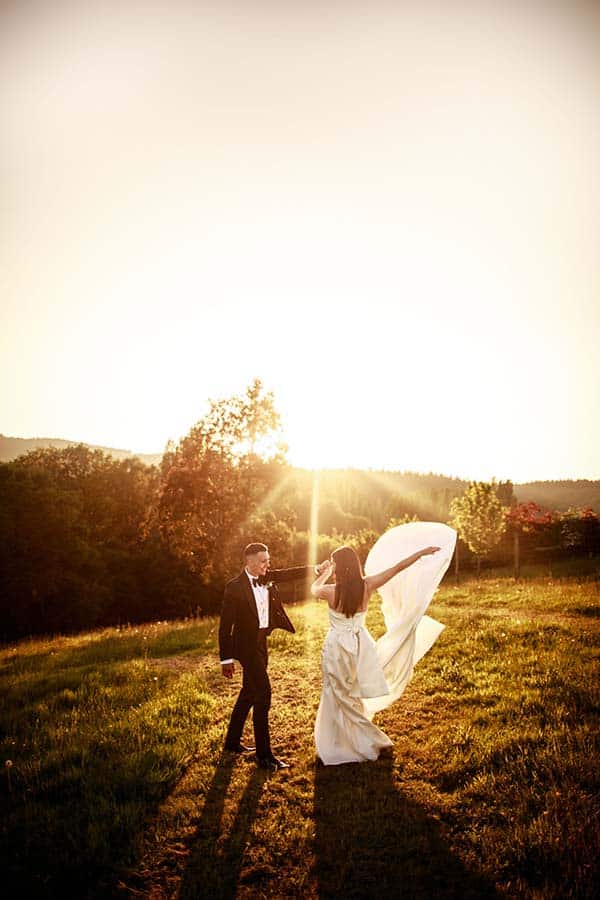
[(118, 785)]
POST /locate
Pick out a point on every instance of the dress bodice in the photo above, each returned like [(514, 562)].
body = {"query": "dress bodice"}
[(350, 649), (341, 622)]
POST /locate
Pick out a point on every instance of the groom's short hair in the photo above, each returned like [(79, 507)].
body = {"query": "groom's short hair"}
[(253, 549)]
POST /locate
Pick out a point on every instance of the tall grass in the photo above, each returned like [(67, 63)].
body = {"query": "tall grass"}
[(94, 735), (118, 784)]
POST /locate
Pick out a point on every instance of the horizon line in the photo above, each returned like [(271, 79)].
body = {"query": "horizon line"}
[(328, 468)]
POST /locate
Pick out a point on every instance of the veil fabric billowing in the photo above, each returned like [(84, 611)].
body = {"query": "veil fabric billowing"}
[(405, 598)]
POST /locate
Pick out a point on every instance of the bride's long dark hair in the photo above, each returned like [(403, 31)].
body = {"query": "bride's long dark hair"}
[(349, 582)]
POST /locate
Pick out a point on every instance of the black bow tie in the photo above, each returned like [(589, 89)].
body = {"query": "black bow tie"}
[(256, 582)]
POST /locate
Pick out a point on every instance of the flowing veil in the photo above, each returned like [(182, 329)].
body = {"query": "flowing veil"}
[(409, 632)]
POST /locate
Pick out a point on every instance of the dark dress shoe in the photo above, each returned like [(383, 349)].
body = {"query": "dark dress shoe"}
[(271, 762), (239, 748)]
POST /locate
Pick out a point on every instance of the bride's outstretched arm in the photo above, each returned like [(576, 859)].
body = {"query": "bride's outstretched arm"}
[(376, 581)]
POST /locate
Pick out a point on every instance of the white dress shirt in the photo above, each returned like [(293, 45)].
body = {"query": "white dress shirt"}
[(261, 596)]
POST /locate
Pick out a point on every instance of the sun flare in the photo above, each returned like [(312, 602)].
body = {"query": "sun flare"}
[(314, 520)]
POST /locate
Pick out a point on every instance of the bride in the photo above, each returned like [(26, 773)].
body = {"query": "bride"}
[(361, 676)]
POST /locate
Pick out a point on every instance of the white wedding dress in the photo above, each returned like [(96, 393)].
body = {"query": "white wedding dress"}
[(362, 676)]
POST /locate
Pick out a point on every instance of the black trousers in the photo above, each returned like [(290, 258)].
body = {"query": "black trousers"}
[(256, 695)]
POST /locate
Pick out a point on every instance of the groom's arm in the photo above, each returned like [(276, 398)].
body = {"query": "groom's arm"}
[(292, 574)]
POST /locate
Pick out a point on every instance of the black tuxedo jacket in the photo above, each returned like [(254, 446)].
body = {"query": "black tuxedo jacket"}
[(238, 629)]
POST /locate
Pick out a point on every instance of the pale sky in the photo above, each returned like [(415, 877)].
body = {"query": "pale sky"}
[(387, 211)]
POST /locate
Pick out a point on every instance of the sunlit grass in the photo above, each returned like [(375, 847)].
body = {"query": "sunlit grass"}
[(118, 783), (93, 733)]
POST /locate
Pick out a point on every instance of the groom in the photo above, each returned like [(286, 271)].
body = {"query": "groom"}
[(251, 610)]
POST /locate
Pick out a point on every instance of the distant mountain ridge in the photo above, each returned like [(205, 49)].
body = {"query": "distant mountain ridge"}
[(550, 494), (561, 494), (12, 447)]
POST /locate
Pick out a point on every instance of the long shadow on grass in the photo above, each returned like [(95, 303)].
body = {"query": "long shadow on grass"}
[(372, 841), (215, 862)]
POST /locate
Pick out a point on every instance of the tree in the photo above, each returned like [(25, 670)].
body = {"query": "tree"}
[(276, 533), (362, 541), (71, 550), (580, 530), (401, 520), (524, 518), (214, 480), (505, 492), (478, 516)]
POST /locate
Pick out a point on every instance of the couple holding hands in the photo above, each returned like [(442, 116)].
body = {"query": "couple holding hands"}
[(360, 676)]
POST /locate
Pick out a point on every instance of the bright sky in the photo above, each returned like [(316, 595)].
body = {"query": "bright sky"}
[(387, 211)]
